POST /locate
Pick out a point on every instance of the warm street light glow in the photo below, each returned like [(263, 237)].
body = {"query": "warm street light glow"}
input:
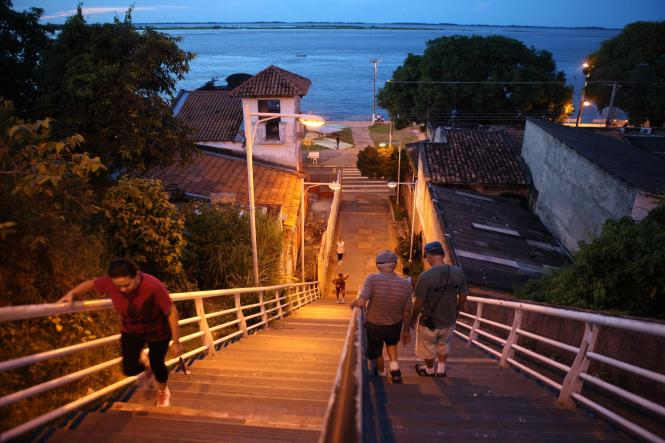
[(312, 121), (334, 186), (392, 185), (383, 145), (585, 65), (587, 103)]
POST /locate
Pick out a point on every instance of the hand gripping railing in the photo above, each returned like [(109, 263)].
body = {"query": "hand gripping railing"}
[(575, 374), (343, 422), (282, 300)]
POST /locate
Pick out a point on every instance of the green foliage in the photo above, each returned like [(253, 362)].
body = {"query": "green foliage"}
[(22, 42), (621, 270), (219, 254), (480, 59), (143, 225), (404, 245), (637, 54), (111, 83), (381, 163), (45, 244)]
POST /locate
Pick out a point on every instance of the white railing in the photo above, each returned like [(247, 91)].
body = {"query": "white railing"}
[(328, 238), (284, 299), (574, 375)]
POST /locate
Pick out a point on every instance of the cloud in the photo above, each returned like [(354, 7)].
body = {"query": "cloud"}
[(108, 9), (483, 6)]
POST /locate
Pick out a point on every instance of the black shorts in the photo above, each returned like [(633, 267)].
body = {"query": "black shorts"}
[(377, 335)]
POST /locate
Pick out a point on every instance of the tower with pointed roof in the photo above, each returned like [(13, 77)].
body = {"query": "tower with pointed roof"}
[(276, 90)]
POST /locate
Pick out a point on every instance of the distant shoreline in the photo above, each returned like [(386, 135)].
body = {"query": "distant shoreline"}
[(396, 26)]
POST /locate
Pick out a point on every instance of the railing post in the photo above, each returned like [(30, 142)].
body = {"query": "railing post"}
[(264, 316), (240, 315), (473, 334), (572, 384), (508, 351), (278, 295), (206, 339)]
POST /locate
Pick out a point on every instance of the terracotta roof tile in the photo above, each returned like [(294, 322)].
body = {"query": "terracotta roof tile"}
[(475, 157), (273, 82), (210, 173), (213, 115)]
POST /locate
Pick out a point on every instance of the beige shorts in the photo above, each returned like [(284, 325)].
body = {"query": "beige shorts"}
[(430, 342)]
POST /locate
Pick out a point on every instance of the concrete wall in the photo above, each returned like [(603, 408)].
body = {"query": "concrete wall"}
[(575, 197)]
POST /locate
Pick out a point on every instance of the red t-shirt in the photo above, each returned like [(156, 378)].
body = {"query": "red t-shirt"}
[(144, 311)]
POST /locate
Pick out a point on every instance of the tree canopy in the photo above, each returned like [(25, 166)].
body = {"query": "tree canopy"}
[(635, 58), (110, 83), (22, 41), (492, 59)]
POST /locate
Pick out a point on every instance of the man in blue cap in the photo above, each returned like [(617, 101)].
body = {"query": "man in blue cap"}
[(388, 299), (439, 295)]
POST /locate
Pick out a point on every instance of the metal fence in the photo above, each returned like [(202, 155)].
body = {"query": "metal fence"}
[(273, 303), (344, 417), (484, 333), (328, 239)]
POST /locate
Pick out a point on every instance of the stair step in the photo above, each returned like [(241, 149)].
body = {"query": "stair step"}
[(156, 427), (284, 421), (322, 370), (249, 404), (260, 373), (254, 382), (194, 386)]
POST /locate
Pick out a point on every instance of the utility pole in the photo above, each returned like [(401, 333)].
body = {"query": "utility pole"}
[(375, 62), (610, 109), (586, 68)]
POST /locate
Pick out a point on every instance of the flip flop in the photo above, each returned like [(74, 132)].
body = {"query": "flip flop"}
[(421, 370)]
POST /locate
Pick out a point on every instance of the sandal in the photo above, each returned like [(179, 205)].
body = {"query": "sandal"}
[(422, 370)]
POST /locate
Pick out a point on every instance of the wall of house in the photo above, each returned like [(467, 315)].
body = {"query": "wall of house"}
[(428, 221), (287, 151), (575, 197)]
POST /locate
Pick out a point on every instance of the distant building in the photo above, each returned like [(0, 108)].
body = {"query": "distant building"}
[(216, 116), (470, 195), (583, 178)]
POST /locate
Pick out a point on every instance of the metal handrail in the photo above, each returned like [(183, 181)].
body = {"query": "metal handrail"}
[(575, 375), (344, 416), (323, 256), (298, 294)]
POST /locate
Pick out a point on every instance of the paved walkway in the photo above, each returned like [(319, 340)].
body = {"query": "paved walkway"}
[(272, 386)]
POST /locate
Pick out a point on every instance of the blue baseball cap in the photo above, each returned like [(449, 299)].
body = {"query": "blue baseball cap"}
[(434, 248), (386, 257)]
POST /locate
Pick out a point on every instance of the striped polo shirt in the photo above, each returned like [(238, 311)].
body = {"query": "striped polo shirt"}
[(388, 295)]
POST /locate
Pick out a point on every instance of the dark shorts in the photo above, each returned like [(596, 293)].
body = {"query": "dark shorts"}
[(377, 335), (340, 256)]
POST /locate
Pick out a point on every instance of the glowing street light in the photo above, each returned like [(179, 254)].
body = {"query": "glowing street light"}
[(309, 120), (586, 68), (587, 103)]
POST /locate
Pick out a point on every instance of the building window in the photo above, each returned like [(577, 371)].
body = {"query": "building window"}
[(272, 126)]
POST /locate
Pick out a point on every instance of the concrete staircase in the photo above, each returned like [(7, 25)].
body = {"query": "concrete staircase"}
[(354, 182), (271, 386)]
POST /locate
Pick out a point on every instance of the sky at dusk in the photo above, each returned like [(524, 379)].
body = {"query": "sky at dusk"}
[(603, 13)]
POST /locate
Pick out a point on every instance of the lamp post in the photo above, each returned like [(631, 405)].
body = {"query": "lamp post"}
[(250, 133), (586, 68), (393, 185), (375, 62), (306, 186)]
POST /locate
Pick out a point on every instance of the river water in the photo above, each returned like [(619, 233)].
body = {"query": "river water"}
[(337, 60)]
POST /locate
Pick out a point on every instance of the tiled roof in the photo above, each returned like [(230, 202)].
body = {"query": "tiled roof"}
[(213, 115), (273, 82), (210, 173), (632, 165), (499, 244), (475, 157)]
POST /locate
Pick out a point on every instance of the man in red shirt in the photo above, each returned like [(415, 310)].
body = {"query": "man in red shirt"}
[(148, 316)]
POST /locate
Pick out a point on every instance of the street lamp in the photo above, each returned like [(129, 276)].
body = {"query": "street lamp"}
[(250, 133), (586, 69), (393, 185), (374, 61), (332, 185)]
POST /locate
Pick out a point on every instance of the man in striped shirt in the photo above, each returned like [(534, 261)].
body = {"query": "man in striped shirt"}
[(388, 300)]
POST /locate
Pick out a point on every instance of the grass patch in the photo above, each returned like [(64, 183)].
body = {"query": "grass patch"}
[(345, 136), (381, 134)]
